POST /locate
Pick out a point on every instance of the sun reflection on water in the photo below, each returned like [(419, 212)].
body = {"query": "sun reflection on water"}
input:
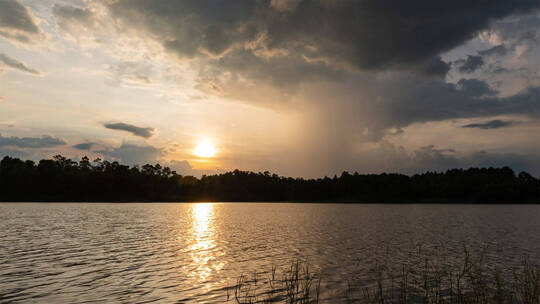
[(204, 248)]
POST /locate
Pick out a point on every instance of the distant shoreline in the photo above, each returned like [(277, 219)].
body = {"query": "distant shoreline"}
[(441, 202), (64, 180)]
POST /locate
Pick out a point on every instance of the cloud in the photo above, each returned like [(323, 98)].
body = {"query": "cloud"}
[(514, 31), (271, 53), (364, 108), (17, 23), (84, 146), (133, 154), (31, 142), (432, 101), (471, 64), (498, 50), (241, 48), (365, 35), (475, 87), (518, 162), (346, 73), (180, 165), (131, 72), (492, 124), (183, 167), (329, 158), (429, 159), (137, 131), (15, 64), (72, 19), (12, 153)]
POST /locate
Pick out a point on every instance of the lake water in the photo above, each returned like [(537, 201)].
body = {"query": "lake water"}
[(191, 253)]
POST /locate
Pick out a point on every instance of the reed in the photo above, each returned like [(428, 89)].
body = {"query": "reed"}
[(466, 281)]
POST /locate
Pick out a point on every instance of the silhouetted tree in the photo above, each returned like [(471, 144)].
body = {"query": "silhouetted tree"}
[(62, 179)]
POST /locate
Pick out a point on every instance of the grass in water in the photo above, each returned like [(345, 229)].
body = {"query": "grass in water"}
[(429, 282)]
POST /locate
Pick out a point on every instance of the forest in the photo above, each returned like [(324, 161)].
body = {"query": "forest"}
[(64, 180)]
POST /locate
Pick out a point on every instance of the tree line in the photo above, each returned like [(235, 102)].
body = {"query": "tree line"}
[(62, 179)]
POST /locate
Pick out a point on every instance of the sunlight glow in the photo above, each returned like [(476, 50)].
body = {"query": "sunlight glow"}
[(204, 249), (205, 149)]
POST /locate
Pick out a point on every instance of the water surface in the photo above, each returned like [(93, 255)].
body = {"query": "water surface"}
[(190, 253)]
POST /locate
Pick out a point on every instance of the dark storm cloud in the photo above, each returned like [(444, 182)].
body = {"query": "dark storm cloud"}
[(518, 162), (84, 146), (354, 70), (137, 131), (31, 142), (388, 157), (370, 34), (284, 72), (16, 22), (475, 87), (517, 35), (492, 124), (500, 70), (429, 158), (434, 67), (392, 158), (470, 64), (366, 108), (516, 30), (498, 50), (133, 154), (436, 100), (15, 64)]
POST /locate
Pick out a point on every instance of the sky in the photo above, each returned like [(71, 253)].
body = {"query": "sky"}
[(295, 87)]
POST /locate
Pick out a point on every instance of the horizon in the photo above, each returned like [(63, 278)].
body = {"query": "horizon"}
[(64, 180), (338, 174), (296, 87)]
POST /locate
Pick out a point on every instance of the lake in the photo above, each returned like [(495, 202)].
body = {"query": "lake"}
[(192, 253)]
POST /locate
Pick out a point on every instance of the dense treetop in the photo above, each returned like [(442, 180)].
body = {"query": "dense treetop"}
[(62, 179)]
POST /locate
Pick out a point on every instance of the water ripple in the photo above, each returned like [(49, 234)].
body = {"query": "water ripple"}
[(193, 253)]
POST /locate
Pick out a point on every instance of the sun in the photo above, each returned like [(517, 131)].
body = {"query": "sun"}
[(205, 149)]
